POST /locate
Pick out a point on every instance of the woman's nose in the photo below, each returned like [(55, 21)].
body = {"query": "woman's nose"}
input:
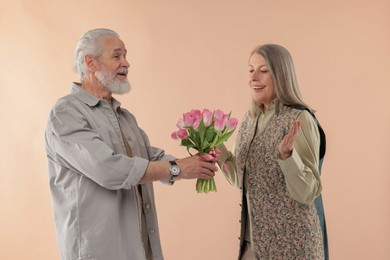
[(255, 76)]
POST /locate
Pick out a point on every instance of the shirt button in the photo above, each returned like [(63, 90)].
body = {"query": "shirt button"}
[(147, 206), (152, 231)]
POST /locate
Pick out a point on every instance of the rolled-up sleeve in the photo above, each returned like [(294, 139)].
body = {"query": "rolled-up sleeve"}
[(301, 169), (78, 147)]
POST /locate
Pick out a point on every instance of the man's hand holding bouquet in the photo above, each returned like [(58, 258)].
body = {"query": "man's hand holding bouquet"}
[(203, 131)]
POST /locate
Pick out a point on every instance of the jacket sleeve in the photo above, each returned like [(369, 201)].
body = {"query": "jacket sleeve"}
[(301, 169), (227, 164)]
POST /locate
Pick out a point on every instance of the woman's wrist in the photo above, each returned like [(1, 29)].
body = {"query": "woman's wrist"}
[(284, 156)]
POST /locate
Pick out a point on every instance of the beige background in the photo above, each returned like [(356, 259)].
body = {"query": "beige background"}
[(193, 54)]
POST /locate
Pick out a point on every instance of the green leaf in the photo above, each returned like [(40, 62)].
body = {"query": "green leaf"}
[(223, 138), (206, 145), (210, 133), (216, 138), (187, 142), (201, 130)]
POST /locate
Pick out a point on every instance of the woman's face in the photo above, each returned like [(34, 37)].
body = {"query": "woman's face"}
[(260, 81)]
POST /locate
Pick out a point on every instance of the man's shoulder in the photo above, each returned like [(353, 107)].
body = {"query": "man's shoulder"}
[(63, 105), (65, 102)]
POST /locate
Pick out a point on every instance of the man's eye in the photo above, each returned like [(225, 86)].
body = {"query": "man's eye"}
[(251, 71)]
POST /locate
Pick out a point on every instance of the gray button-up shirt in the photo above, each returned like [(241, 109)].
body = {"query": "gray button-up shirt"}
[(94, 183)]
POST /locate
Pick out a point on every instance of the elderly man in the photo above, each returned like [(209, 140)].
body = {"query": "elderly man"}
[(101, 164)]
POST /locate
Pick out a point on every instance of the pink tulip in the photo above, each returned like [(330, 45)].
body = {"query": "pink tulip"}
[(218, 114), (196, 124), (188, 119), (207, 117), (174, 136), (231, 124), (226, 118), (219, 124), (196, 113), (180, 124), (182, 133)]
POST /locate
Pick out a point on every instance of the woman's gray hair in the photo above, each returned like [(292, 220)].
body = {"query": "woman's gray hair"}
[(281, 67), (89, 44)]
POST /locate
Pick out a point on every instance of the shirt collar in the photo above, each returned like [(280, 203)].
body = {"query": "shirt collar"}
[(89, 99), (275, 105)]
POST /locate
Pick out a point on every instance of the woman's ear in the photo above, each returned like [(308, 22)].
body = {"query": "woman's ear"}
[(90, 63)]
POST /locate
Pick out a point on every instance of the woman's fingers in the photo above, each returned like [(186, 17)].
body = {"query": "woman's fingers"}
[(287, 144)]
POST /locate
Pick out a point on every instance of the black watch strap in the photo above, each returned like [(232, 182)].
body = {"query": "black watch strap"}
[(173, 162)]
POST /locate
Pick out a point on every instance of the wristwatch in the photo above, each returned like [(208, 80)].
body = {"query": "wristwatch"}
[(174, 170)]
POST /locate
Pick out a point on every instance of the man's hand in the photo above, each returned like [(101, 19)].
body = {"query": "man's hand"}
[(197, 166)]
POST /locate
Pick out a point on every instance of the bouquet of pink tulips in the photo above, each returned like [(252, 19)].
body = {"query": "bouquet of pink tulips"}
[(204, 131)]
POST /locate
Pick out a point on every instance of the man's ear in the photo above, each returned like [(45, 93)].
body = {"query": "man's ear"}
[(90, 63)]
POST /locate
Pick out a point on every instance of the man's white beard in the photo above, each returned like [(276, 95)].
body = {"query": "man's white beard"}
[(113, 84)]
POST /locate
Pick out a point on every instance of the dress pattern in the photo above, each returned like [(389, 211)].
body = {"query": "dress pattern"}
[(282, 228)]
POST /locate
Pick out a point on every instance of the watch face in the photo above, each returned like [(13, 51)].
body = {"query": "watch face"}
[(174, 170)]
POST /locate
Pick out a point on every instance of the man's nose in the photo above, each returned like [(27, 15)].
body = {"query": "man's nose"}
[(125, 63)]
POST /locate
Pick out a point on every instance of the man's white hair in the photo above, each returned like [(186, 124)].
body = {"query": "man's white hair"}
[(89, 44)]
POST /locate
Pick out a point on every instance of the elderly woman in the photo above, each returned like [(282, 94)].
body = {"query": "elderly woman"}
[(275, 162)]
